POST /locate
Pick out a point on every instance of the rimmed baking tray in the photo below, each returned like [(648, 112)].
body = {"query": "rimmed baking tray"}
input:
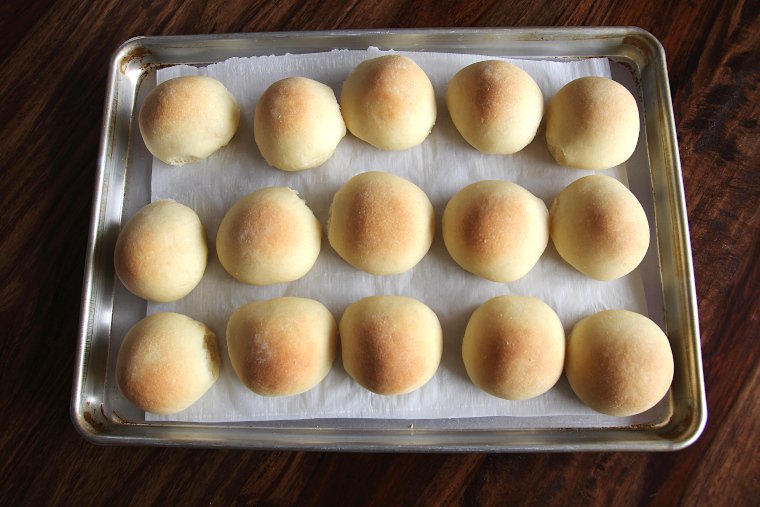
[(120, 166)]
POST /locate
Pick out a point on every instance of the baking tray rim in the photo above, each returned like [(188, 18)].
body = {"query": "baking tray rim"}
[(91, 422)]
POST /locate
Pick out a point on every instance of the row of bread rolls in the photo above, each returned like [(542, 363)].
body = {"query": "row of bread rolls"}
[(389, 102), (498, 230), (617, 362), (383, 224)]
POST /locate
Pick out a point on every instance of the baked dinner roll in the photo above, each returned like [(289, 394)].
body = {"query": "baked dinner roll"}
[(599, 227), (187, 119), (283, 346), (161, 252), (496, 106), (389, 102), (166, 362), (592, 123), (269, 236), (619, 362), (495, 229), (514, 347), (381, 223), (297, 124), (390, 344)]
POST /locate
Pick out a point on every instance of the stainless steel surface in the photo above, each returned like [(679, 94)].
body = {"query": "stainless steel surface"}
[(119, 170)]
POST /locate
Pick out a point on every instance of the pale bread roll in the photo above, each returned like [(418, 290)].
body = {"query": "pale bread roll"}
[(592, 123), (389, 102), (390, 344), (619, 362), (186, 119), (381, 223), (496, 106), (297, 124), (269, 236), (283, 346), (514, 347), (495, 229), (166, 362), (161, 252), (599, 227)]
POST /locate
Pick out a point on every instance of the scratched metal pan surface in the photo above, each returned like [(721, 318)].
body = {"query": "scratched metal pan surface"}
[(121, 169)]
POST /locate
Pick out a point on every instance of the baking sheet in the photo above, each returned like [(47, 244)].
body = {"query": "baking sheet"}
[(443, 164)]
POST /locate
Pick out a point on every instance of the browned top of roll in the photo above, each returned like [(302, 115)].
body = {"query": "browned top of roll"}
[(381, 223)]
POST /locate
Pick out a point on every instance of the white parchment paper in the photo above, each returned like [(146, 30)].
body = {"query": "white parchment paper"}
[(441, 165)]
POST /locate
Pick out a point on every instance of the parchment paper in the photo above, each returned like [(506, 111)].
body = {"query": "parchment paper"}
[(441, 165)]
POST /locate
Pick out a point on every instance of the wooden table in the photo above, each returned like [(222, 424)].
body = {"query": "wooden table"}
[(54, 67)]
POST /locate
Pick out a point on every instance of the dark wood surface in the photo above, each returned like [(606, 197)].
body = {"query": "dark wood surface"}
[(54, 67)]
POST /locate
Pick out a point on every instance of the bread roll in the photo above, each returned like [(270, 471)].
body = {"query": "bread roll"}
[(187, 119), (161, 252), (619, 362), (495, 229), (269, 236), (297, 124), (390, 344), (381, 223), (166, 362), (496, 106), (514, 347), (389, 102), (283, 346), (592, 123), (599, 227)]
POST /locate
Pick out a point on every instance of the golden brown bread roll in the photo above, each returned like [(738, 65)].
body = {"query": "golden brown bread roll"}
[(283, 346), (161, 252), (187, 119), (514, 347), (619, 362), (269, 236), (389, 102), (166, 362), (495, 229), (297, 124), (592, 123), (599, 227), (496, 106), (390, 344), (381, 223)]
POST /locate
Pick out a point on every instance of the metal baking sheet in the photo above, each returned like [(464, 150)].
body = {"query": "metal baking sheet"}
[(636, 55)]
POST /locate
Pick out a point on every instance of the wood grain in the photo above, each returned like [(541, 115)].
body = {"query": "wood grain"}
[(54, 63)]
